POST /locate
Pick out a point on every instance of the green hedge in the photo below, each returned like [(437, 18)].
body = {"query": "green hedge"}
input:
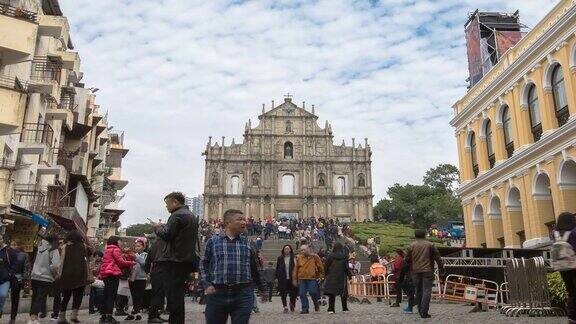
[(392, 235), (557, 290)]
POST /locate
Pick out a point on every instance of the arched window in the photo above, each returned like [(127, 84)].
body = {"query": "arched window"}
[(288, 150), (235, 185), (255, 179), (214, 180), (361, 180), (340, 186), (473, 155), (288, 185), (321, 180), (559, 93), (489, 147), (507, 127), (534, 109)]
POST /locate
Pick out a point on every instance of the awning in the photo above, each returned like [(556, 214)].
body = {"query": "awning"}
[(71, 225)]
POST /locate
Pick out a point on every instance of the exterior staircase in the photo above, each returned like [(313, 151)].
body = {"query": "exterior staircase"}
[(271, 249), (361, 255)]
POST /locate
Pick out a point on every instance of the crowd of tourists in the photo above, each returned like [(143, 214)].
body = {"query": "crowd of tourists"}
[(310, 230), (152, 275), (149, 273)]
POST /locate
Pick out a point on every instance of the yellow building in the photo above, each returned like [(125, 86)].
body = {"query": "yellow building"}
[(516, 135)]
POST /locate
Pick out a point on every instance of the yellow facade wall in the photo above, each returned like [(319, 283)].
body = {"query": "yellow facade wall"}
[(528, 220)]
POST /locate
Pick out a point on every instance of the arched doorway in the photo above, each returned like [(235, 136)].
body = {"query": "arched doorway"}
[(478, 223), (567, 185), (544, 207), (515, 218), (495, 223)]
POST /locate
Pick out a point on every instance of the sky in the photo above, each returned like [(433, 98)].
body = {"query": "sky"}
[(173, 72)]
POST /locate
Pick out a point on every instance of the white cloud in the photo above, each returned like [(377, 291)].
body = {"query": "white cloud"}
[(173, 72)]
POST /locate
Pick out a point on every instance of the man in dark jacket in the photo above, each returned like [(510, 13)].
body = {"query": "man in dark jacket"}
[(22, 270), (7, 270), (420, 256), (179, 257)]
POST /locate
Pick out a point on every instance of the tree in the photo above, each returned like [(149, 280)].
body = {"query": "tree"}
[(139, 229), (444, 176), (423, 205)]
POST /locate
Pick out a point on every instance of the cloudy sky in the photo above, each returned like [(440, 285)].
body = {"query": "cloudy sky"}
[(173, 72)]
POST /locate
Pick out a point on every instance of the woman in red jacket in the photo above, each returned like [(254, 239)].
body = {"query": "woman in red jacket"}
[(110, 272)]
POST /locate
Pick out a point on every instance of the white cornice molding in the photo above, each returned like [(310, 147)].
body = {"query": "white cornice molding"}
[(521, 162), (494, 216), (514, 208), (541, 197), (567, 186)]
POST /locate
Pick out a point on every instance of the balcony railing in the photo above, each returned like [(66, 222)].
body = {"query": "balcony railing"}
[(510, 149), (492, 160), (537, 132), (562, 116), (37, 133), (46, 69), (7, 164), (16, 12), (29, 196), (13, 83), (71, 161), (67, 101)]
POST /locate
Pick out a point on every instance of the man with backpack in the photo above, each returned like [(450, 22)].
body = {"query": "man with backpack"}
[(564, 258)]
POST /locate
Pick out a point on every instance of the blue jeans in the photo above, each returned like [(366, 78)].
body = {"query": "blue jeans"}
[(236, 304), (4, 288), (308, 286)]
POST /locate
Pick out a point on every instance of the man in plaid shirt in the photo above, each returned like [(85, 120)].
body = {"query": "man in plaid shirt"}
[(229, 272)]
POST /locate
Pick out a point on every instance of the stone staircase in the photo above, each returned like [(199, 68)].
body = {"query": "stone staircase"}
[(361, 255), (271, 249)]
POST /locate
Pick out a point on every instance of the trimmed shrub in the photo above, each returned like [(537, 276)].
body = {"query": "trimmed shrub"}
[(557, 290)]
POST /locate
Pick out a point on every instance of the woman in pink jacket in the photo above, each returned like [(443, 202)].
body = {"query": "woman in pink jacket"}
[(110, 272)]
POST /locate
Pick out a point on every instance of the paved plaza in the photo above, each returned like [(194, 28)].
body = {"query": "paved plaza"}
[(365, 314)]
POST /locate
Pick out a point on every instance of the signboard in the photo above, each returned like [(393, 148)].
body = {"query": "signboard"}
[(471, 293), (38, 219), (24, 231), (287, 215)]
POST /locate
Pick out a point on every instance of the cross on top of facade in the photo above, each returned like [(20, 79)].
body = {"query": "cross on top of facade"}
[(288, 96)]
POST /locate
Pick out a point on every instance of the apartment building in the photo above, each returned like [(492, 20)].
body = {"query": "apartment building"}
[(516, 128), (196, 205), (54, 140)]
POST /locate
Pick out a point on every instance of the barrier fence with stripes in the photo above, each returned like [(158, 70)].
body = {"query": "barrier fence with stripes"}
[(524, 292)]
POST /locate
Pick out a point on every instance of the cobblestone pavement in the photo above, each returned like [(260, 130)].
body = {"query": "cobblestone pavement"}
[(365, 314)]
